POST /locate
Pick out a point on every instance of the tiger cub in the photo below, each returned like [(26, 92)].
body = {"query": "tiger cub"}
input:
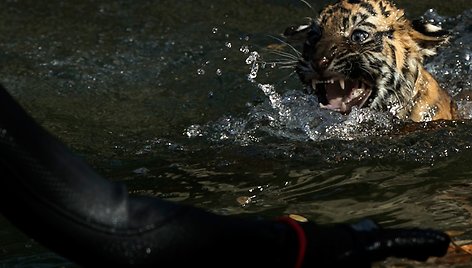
[(366, 53)]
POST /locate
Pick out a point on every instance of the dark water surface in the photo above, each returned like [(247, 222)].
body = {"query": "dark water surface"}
[(156, 94)]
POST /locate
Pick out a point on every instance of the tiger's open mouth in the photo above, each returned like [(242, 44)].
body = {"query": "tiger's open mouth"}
[(341, 95)]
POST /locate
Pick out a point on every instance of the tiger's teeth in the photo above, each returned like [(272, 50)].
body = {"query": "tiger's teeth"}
[(331, 81), (357, 92), (341, 84)]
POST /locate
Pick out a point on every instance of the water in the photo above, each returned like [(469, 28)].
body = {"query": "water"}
[(184, 103)]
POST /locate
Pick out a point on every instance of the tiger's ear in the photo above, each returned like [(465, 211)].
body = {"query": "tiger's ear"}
[(298, 30), (310, 34), (428, 36)]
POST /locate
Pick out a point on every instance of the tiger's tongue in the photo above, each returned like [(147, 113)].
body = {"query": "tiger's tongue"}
[(342, 97), (338, 97)]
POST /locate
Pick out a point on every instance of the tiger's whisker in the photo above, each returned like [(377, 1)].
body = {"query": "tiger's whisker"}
[(285, 54), (290, 46), (281, 62), (307, 4), (287, 67)]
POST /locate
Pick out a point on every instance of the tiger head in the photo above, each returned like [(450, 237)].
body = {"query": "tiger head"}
[(366, 53)]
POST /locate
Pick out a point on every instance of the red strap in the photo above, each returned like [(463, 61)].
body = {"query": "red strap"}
[(301, 239)]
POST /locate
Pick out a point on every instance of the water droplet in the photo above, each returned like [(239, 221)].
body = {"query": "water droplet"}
[(253, 74), (194, 131), (244, 49), (200, 71), (252, 57), (148, 251), (214, 30), (219, 72), (228, 44)]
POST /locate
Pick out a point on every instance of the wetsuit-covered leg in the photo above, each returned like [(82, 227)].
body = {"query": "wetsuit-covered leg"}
[(59, 200)]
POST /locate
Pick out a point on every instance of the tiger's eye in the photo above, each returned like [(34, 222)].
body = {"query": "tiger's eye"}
[(359, 36)]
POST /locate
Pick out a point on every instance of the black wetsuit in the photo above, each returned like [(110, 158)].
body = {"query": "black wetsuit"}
[(57, 199)]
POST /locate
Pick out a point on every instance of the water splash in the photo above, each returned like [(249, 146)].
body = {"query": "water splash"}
[(252, 60), (294, 116), (275, 100)]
